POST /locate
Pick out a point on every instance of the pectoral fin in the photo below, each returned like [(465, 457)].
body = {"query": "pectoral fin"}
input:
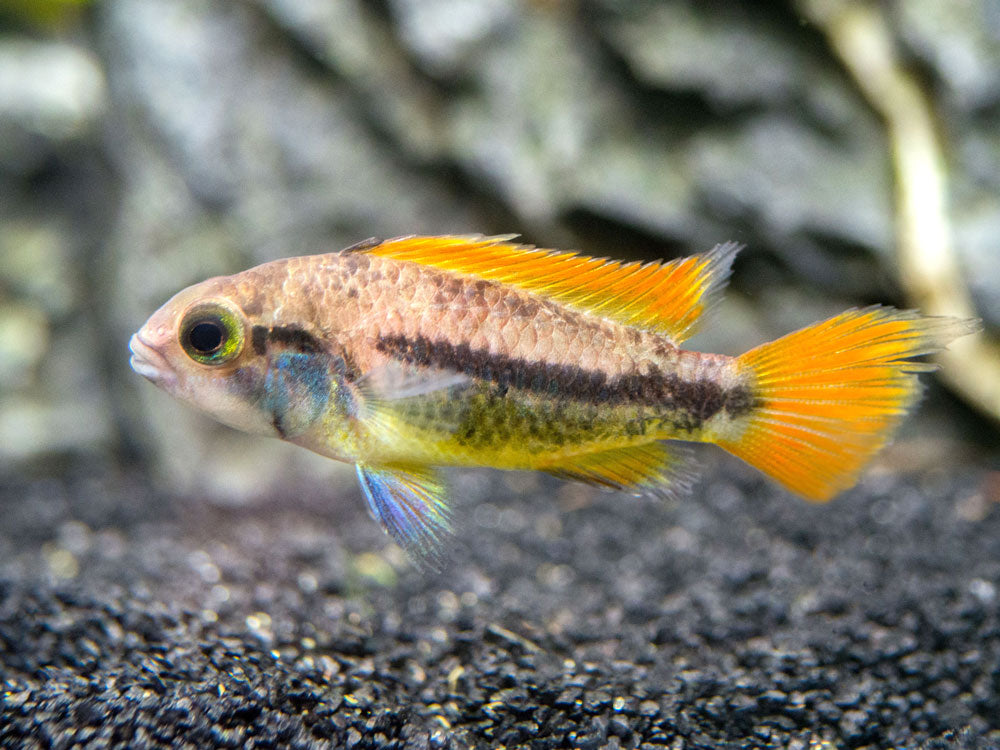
[(394, 381), (651, 469), (411, 505), (386, 395)]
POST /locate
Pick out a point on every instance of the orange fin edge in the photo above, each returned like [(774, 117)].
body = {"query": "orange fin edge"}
[(667, 297), (829, 396), (654, 469)]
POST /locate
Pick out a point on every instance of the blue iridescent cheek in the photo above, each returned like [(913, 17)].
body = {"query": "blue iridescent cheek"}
[(296, 391)]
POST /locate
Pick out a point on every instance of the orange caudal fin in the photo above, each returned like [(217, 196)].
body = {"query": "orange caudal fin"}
[(829, 396)]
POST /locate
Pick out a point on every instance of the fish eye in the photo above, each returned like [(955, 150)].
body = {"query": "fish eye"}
[(211, 333), (207, 336)]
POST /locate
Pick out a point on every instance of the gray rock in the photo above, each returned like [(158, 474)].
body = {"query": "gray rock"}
[(447, 36), (961, 41), (49, 91), (790, 178), (685, 46)]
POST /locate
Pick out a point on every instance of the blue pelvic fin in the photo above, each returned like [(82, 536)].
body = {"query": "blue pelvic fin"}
[(411, 505), (655, 469)]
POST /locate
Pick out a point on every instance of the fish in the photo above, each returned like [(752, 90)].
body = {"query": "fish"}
[(408, 355)]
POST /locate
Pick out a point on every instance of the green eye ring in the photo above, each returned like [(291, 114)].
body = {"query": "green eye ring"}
[(211, 333)]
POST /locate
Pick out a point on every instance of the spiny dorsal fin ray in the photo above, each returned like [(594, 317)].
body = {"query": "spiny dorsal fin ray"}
[(667, 297), (654, 469)]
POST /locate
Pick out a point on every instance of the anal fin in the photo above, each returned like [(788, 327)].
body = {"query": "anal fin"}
[(654, 469), (411, 505)]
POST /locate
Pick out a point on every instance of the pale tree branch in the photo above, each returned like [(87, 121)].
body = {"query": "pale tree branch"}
[(928, 269)]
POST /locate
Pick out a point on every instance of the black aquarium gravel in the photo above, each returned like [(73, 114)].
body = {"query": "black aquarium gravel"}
[(737, 617)]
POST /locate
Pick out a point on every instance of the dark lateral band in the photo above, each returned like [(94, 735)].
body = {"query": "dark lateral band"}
[(700, 399), (299, 340), (295, 338), (291, 337)]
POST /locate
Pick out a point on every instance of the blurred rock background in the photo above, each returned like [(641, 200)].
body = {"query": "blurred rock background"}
[(149, 144)]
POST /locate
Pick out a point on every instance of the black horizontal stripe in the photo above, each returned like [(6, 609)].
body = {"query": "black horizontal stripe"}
[(698, 399), (295, 338), (300, 340)]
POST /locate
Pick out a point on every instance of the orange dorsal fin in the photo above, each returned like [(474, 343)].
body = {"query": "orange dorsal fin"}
[(667, 297)]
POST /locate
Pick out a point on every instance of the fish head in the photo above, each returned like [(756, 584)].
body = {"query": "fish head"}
[(199, 347)]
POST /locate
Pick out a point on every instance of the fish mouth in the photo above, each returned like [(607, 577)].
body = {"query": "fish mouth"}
[(149, 363)]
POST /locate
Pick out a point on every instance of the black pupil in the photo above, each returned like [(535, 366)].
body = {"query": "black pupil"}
[(206, 337)]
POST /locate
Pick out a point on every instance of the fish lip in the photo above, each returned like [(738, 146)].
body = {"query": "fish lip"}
[(147, 361)]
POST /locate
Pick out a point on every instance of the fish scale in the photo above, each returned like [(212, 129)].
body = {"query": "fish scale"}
[(406, 355), (510, 323)]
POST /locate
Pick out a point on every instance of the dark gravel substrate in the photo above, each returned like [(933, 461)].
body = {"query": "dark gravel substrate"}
[(737, 617)]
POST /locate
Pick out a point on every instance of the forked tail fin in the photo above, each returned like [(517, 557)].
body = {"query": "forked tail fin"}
[(829, 396)]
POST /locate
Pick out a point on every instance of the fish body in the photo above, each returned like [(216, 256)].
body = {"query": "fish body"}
[(405, 355)]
